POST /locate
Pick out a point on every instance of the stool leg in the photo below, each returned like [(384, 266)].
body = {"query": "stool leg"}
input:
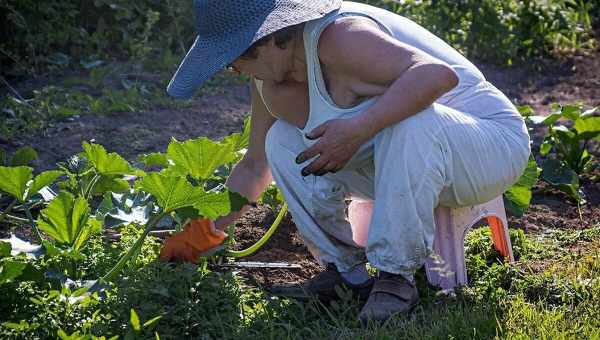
[(501, 237), (499, 226), (446, 268)]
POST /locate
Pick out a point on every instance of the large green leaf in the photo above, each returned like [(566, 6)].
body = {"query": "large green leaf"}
[(13, 180), (588, 128), (18, 182), (590, 112), (562, 177), (546, 120), (199, 157), (171, 192), (107, 163), (213, 205), (518, 197), (66, 219), (154, 159), (44, 179), (92, 226), (10, 270), (110, 183), (572, 112), (24, 156), (241, 140), (134, 320), (121, 209)]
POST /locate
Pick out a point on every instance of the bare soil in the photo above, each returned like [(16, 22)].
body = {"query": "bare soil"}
[(222, 112)]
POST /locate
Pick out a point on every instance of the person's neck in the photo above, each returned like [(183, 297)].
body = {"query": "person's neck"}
[(298, 68)]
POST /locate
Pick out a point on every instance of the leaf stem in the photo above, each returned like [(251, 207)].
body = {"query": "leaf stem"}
[(33, 224), (8, 209), (17, 219), (112, 274), (91, 186), (255, 247)]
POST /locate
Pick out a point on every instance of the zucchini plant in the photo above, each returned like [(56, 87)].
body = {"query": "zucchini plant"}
[(567, 146), (101, 189)]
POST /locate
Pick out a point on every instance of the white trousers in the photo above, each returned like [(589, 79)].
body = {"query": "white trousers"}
[(438, 156)]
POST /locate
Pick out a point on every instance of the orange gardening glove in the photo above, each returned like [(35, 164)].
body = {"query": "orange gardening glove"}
[(198, 236)]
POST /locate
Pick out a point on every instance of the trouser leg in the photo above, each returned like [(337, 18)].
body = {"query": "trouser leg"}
[(316, 203), (438, 156)]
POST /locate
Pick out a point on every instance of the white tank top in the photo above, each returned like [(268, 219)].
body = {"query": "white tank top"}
[(473, 94)]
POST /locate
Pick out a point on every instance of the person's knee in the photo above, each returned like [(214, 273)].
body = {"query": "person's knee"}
[(281, 142)]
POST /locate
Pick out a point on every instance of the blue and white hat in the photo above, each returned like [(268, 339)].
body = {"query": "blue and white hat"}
[(227, 28)]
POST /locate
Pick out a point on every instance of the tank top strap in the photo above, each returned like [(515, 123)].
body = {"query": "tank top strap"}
[(312, 32)]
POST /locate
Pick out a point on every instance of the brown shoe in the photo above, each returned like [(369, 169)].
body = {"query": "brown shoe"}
[(391, 294), (323, 286)]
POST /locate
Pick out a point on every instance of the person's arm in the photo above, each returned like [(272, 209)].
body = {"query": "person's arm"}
[(374, 63), (251, 175)]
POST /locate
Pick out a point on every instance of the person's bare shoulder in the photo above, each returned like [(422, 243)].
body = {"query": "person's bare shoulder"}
[(341, 35)]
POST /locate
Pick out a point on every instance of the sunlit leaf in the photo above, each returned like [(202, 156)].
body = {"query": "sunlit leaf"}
[(571, 111), (546, 120), (590, 112), (526, 110), (13, 180), (171, 192), (545, 148), (44, 179), (199, 157), (134, 320), (154, 159), (66, 219), (107, 163), (150, 323), (518, 197), (92, 226), (241, 140), (213, 205), (588, 128)]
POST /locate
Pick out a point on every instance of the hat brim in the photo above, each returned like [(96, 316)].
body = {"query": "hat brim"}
[(201, 63), (205, 58)]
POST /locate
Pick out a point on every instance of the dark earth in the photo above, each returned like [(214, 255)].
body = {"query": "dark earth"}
[(221, 112)]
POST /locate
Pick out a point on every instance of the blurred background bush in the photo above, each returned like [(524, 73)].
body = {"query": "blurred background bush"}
[(36, 36)]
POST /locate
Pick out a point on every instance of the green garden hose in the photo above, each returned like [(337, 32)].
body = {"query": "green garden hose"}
[(252, 249)]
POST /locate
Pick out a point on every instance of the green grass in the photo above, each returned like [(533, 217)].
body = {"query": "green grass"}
[(552, 291)]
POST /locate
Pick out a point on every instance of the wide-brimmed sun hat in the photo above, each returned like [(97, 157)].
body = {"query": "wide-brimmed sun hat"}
[(226, 28)]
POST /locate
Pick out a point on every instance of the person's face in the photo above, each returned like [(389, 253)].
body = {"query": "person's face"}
[(271, 64)]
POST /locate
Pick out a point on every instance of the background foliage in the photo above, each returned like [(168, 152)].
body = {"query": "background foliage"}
[(37, 35)]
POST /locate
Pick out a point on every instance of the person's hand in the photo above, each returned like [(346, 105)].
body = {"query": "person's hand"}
[(339, 139), (198, 237)]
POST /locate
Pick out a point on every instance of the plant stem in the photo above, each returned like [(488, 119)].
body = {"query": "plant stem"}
[(33, 224), (8, 209), (252, 249), (17, 219), (112, 274), (90, 187)]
